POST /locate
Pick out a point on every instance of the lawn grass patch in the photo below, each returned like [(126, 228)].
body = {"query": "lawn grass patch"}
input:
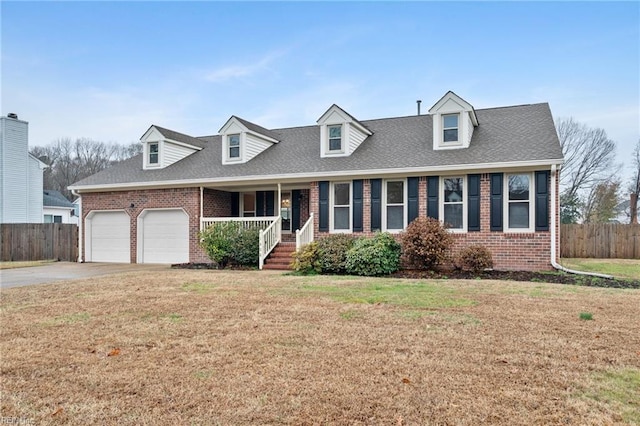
[(586, 316), (77, 317), (198, 287), (619, 390), (620, 268), (25, 264), (421, 294)]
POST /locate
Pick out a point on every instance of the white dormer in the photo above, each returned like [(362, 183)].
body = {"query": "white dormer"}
[(453, 122), (340, 133), (243, 140), (162, 147)]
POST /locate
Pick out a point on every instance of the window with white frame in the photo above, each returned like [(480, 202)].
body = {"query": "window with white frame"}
[(50, 218), (341, 206), (335, 138), (234, 146), (453, 201), (394, 205), (519, 203), (153, 153), (450, 127)]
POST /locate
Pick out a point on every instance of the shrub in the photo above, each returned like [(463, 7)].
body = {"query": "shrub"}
[(379, 255), (229, 243), (425, 243), (305, 261), (475, 258), (332, 252)]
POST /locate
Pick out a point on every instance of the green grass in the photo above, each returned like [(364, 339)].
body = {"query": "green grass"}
[(422, 295), (619, 268), (618, 389), (586, 316)]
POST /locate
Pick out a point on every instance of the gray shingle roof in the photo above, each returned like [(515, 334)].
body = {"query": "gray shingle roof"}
[(508, 134), (258, 129), (180, 137), (51, 198)]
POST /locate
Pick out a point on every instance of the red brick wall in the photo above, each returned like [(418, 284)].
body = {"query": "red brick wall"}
[(186, 198), (216, 203), (511, 251)]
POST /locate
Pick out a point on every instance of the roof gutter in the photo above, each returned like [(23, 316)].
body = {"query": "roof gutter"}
[(554, 226)]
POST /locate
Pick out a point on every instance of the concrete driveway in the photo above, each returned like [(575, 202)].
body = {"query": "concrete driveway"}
[(59, 271)]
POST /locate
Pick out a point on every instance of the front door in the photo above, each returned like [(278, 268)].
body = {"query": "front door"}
[(285, 211)]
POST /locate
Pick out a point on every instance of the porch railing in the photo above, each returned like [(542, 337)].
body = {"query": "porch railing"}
[(269, 238), (247, 222), (304, 235)]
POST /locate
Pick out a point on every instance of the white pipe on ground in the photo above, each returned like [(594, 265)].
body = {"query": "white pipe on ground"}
[(554, 230)]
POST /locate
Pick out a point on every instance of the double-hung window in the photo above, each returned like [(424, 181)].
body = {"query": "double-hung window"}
[(518, 202), (341, 196), (450, 127), (153, 153), (234, 146), (394, 205), (453, 202), (335, 138)]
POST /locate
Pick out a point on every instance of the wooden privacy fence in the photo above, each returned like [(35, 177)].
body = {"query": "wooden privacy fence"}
[(38, 241), (600, 240)]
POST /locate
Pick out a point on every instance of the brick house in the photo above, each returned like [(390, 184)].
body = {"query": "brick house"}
[(490, 174)]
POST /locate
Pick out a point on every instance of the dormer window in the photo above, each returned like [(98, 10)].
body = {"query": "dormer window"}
[(153, 153), (335, 138), (450, 127), (234, 146)]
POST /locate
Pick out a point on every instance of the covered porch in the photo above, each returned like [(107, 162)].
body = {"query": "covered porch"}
[(279, 211)]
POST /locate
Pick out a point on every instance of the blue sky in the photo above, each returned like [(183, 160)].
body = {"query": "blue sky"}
[(108, 70)]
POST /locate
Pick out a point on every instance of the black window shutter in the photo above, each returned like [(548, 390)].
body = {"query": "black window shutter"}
[(235, 204), (412, 199), (357, 205), (432, 196), (473, 203), (269, 201), (323, 207), (496, 201), (542, 200), (376, 204), (260, 203), (295, 209)]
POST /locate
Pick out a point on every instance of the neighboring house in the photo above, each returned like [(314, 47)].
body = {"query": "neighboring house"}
[(57, 209), (21, 174), (623, 211), (491, 174)]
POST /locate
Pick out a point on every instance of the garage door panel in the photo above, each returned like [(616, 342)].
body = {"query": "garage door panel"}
[(110, 237), (165, 236)]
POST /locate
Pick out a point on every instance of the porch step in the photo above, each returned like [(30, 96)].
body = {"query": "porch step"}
[(280, 257)]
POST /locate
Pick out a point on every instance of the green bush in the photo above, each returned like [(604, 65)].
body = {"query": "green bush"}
[(306, 260), (474, 258), (425, 243), (332, 252), (379, 255), (228, 243)]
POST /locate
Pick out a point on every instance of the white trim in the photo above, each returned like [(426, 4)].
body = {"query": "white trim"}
[(505, 207), (332, 206), (184, 144), (314, 176), (327, 147), (465, 202), (228, 159), (405, 195), (458, 141)]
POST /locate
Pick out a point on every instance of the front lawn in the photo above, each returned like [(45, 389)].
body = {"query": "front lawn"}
[(229, 347)]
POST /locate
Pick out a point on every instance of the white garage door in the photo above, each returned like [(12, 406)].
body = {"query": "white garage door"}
[(109, 238), (165, 236)]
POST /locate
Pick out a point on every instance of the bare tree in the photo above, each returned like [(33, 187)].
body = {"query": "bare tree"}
[(70, 161), (602, 202), (588, 153), (634, 188)]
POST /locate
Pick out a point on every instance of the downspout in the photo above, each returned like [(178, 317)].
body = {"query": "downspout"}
[(554, 206), (80, 227), (201, 208)]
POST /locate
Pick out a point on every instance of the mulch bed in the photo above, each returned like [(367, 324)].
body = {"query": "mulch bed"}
[(545, 277)]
